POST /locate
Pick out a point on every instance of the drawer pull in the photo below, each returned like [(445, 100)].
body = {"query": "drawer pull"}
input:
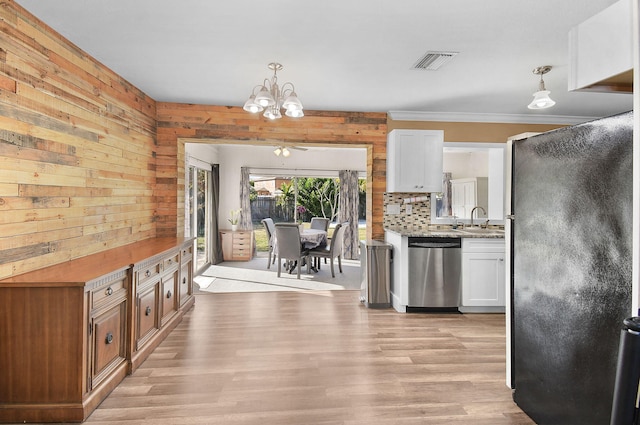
[(147, 311), (109, 291), (168, 294), (170, 261), (109, 338), (147, 273)]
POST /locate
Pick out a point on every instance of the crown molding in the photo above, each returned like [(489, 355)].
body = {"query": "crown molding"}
[(488, 118)]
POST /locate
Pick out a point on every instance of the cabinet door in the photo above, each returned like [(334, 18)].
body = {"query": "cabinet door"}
[(414, 161), (458, 205), (227, 245), (470, 193), (147, 314), (483, 280), (185, 283), (108, 342), (169, 298)]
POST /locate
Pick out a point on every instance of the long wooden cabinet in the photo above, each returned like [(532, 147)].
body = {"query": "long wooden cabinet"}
[(70, 333)]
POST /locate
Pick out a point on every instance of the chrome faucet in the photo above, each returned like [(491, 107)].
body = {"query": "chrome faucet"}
[(474, 210)]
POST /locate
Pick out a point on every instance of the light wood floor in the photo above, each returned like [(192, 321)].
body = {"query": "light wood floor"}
[(318, 358)]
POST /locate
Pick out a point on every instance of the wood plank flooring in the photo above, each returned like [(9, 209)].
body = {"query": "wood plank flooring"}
[(318, 358)]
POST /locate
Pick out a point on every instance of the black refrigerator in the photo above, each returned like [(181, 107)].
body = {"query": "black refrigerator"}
[(571, 272)]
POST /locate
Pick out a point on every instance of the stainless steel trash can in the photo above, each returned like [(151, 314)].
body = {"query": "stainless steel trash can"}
[(375, 272)]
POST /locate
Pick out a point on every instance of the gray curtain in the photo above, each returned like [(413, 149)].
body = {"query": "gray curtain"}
[(348, 211), (245, 203), (216, 243)]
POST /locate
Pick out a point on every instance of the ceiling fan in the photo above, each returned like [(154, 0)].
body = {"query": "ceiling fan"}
[(285, 150)]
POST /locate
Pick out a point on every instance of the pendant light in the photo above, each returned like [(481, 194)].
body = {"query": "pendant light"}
[(541, 99)]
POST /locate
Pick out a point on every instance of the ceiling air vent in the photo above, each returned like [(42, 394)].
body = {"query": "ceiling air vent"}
[(432, 61)]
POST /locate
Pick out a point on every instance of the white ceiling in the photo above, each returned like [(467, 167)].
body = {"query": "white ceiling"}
[(342, 55)]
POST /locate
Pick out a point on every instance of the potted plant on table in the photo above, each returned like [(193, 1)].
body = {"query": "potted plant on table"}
[(235, 218)]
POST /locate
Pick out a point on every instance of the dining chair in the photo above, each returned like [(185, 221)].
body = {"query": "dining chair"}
[(289, 246), (319, 223), (270, 228), (334, 250)]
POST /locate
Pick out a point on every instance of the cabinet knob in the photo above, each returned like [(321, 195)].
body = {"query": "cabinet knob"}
[(147, 311), (147, 273), (500, 259), (108, 291), (109, 338), (168, 294), (184, 280)]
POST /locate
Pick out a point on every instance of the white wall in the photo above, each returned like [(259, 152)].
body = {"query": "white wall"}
[(315, 162), (466, 164)]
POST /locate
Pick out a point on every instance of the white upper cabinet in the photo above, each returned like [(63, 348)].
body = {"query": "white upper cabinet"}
[(414, 161), (601, 52)]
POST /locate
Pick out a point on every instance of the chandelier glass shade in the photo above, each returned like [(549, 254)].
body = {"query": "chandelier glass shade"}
[(541, 99), (271, 98)]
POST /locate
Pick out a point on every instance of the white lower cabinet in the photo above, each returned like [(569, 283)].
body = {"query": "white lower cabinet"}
[(483, 275)]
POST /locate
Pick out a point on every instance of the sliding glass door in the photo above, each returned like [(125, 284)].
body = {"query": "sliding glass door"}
[(199, 210)]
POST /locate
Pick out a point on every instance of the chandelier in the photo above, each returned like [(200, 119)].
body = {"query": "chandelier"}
[(271, 97)]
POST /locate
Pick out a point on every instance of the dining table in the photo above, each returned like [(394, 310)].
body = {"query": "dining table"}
[(309, 239), (313, 238)]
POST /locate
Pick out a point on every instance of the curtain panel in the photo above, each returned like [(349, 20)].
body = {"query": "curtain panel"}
[(348, 212), (245, 203), (216, 243)]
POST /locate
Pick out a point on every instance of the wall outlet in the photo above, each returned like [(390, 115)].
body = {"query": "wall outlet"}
[(393, 209), (408, 208)]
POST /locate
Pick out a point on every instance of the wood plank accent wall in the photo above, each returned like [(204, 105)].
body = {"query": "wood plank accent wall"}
[(180, 123), (77, 150)]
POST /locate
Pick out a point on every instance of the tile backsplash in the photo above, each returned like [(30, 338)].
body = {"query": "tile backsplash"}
[(414, 215)]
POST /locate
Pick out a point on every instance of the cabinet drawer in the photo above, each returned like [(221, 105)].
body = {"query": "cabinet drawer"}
[(172, 261), (108, 342), (242, 252), (146, 309), (241, 238), (111, 292), (149, 272), (186, 254), (483, 245)]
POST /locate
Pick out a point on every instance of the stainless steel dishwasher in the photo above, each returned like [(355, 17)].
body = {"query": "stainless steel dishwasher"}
[(434, 273)]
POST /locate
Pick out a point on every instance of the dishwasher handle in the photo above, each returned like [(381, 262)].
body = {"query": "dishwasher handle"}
[(434, 242), (433, 245)]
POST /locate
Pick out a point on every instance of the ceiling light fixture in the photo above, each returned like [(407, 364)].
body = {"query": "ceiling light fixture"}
[(541, 99), (282, 150), (271, 97)]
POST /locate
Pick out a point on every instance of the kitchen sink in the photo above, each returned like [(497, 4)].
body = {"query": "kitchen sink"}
[(480, 230)]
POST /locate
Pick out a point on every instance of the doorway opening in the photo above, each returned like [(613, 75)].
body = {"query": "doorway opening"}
[(286, 198)]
